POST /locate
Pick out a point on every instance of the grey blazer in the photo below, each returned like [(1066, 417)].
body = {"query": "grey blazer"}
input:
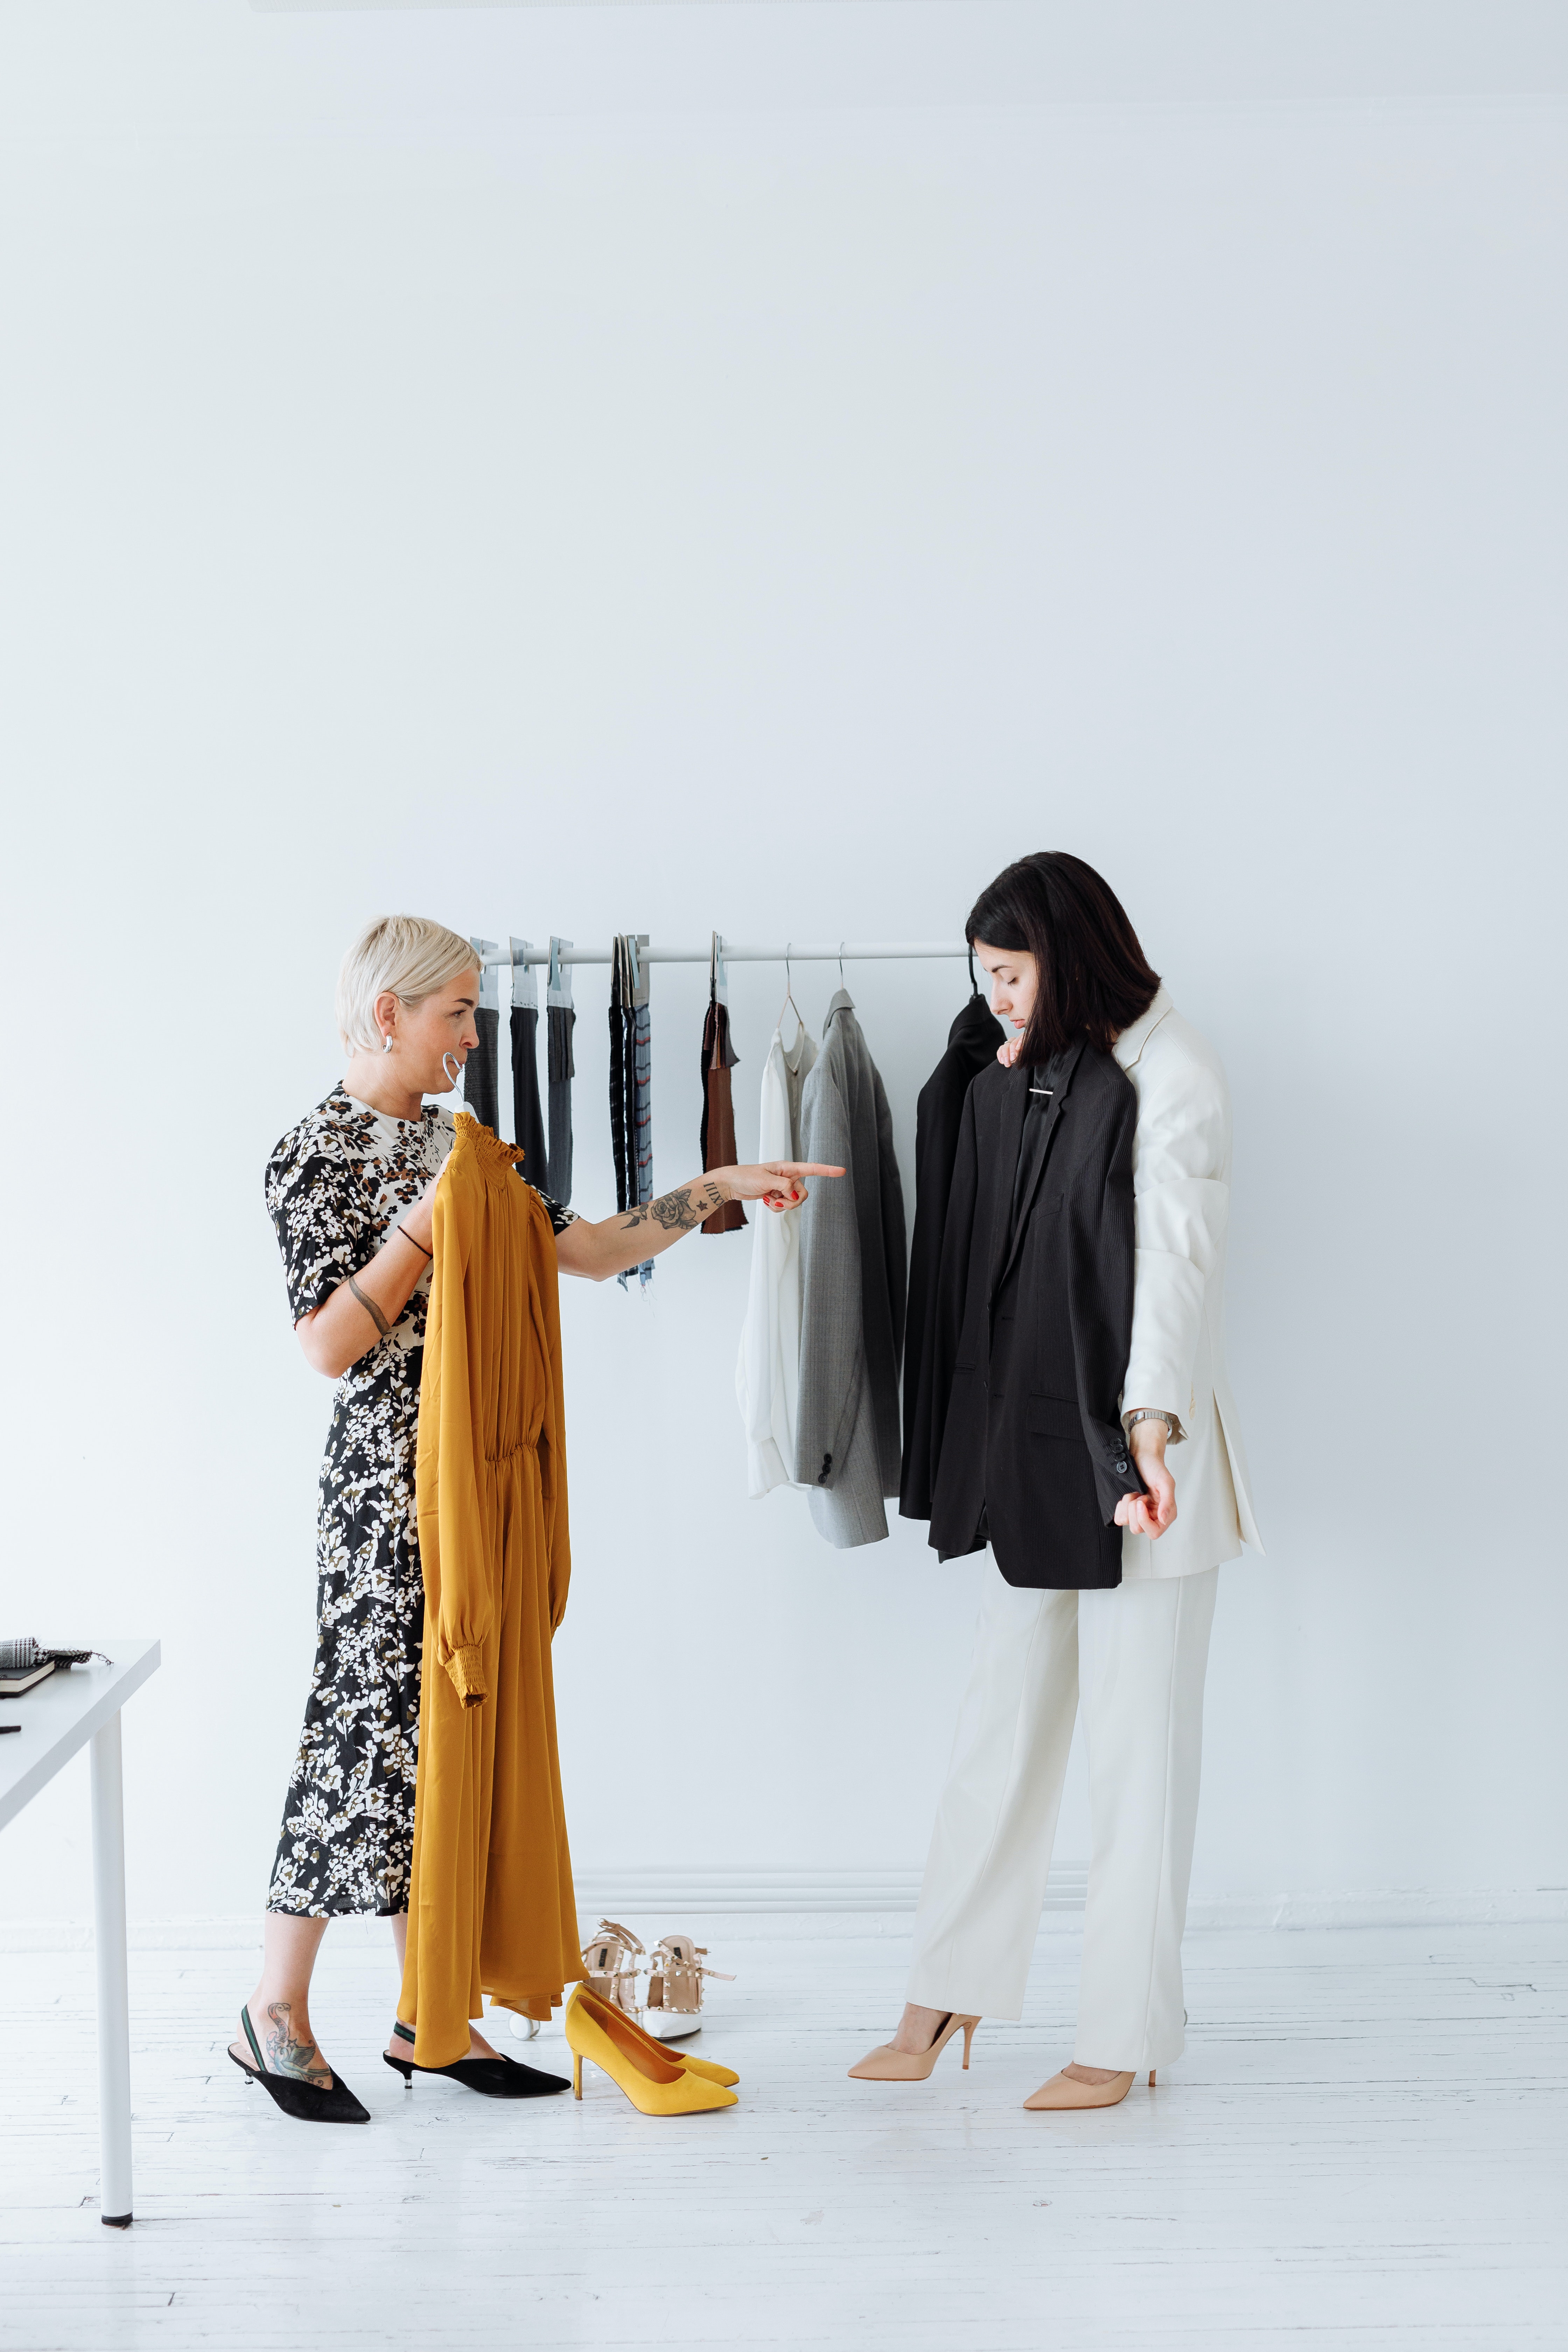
[(854, 1277)]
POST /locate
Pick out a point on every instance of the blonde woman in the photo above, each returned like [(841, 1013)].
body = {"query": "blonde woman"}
[(350, 1190)]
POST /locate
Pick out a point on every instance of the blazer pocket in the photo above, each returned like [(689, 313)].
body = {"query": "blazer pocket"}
[(1049, 1416)]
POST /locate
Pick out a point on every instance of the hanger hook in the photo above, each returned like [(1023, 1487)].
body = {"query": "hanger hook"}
[(789, 991), (452, 1071), (973, 984), (841, 979)]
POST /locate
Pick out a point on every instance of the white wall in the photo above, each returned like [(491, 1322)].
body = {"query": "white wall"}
[(426, 488)]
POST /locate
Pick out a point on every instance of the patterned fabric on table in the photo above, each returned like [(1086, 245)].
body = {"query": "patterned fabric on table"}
[(336, 1185)]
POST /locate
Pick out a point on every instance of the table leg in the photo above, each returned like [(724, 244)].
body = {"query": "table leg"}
[(113, 1988)]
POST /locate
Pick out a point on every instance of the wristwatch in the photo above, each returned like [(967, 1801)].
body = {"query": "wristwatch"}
[(1129, 1421)]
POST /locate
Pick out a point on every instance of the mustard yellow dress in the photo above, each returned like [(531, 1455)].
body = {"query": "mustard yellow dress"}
[(491, 1908)]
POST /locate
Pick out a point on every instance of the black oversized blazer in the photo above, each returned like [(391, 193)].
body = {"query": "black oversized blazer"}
[(1033, 1331), (972, 1043)]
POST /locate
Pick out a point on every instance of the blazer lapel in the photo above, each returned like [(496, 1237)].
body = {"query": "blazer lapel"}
[(1003, 1168), (1053, 1120)]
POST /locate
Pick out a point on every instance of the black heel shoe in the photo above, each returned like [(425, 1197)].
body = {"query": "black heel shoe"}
[(306, 2102), (493, 2078)]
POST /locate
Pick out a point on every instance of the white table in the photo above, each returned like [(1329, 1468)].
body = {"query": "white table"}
[(76, 1704)]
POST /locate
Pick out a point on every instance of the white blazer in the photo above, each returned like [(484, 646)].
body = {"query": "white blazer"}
[(1180, 1192)]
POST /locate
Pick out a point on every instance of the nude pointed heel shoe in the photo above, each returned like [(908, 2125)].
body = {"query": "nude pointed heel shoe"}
[(1063, 2092), (886, 2064)]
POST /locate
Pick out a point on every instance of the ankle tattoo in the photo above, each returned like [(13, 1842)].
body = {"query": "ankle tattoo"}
[(286, 2054)]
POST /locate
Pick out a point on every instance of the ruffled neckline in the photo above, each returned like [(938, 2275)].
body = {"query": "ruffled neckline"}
[(484, 1143)]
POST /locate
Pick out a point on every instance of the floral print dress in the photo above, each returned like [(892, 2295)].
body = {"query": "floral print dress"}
[(336, 1186)]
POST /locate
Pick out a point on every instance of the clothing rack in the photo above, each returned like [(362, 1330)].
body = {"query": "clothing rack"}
[(843, 950)]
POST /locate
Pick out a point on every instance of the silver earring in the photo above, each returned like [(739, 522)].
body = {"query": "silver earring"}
[(386, 1043)]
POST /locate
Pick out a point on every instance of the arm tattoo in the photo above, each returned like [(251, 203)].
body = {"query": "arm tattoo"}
[(286, 2054), (675, 1212), (370, 1309), (678, 1213)]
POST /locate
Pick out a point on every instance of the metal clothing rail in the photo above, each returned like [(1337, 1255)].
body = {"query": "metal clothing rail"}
[(846, 950)]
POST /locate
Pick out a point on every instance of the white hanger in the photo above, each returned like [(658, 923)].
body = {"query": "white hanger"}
[(524, 986), (489, 973)]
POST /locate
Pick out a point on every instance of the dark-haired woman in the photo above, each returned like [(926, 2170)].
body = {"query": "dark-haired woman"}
[(1079, 1338)]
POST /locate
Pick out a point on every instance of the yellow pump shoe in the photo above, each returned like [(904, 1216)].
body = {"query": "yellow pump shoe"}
[(707, 2069), (656, 2085)]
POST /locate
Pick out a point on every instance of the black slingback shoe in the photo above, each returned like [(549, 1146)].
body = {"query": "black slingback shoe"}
[(493, 2078), (307, 2101)]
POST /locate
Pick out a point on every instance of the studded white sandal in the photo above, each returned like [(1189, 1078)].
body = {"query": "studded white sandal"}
[(610, 1966), (675, 1988)]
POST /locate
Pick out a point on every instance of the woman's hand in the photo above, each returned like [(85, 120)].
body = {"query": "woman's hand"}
[(1007, 1051), (776, 1184), (1151, 1513)]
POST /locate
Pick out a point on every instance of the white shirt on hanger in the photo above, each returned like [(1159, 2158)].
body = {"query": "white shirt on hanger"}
[(767, 1372)]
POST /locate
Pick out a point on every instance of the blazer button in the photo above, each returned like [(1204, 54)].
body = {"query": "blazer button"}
[(1122, 1464)]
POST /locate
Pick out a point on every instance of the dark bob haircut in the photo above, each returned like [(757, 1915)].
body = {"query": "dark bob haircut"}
[(1093, 978)]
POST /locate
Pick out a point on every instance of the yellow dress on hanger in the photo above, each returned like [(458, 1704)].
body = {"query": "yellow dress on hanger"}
[(491, 1907)]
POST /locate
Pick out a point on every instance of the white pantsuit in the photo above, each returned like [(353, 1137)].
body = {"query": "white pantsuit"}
[(1134, 1656)]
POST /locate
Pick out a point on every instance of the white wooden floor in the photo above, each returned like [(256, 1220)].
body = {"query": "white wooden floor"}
[(1363, 2146)]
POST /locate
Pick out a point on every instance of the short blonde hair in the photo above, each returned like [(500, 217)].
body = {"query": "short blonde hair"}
[(405, 953)]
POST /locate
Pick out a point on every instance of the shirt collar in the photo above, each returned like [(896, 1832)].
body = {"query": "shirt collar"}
[(1131, 1042)]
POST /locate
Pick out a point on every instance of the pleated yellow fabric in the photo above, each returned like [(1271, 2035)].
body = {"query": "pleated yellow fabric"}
[(491, 1907)]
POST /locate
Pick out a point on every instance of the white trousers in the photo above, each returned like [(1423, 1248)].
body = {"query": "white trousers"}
[(1137, 1655)]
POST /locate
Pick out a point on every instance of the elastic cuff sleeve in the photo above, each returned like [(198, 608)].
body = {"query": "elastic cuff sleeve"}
[(467, 1672)]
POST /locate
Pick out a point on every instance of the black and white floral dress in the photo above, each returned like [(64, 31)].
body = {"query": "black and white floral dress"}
[(336, 1185)]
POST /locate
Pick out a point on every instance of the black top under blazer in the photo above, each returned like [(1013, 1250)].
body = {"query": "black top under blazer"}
[(972, 1043), (1033, 1328)]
